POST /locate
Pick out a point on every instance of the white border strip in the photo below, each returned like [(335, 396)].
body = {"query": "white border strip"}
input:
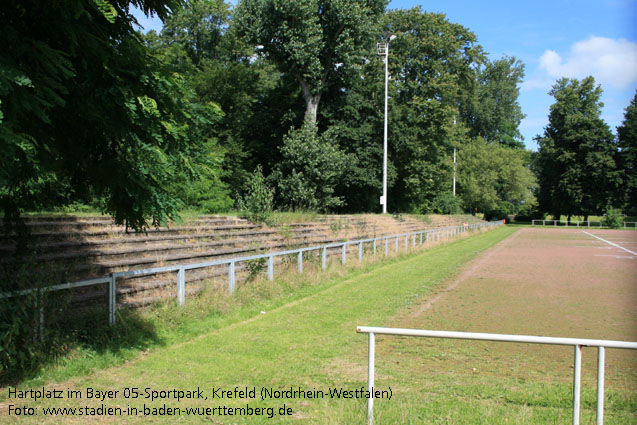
[(610, 243)]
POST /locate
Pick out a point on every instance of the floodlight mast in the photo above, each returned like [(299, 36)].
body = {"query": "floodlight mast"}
[(383, 50)]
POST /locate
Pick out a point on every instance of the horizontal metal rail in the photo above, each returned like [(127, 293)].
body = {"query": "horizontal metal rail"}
[(578, 343), (429, 236), (568, 223)]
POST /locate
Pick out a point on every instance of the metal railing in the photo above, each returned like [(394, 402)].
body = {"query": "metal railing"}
[(567, 223), (578, 223), (423, 237), (578, 343)]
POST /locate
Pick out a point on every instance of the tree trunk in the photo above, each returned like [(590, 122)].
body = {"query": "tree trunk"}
[(311, 101), (311, 107)]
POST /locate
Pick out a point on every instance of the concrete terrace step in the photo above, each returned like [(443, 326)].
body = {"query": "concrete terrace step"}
[(106, 247), (75, 248)]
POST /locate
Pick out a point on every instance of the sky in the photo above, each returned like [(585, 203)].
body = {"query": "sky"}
[(554, 39)]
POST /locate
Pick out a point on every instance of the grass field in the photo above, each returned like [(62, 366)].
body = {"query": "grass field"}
[(310, 342)]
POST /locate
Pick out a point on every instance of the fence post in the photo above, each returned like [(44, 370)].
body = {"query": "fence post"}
[(271, 267), (360, 251), (374, 245), (300, 262), (406, 242), (601, 354), (370, 378), (324, 258), (181, 287), (112, 299), (577, 379), (344, 254), (427, 237), (420, 238), (231, 277), (396, 243), (386, 247), (413, 240)]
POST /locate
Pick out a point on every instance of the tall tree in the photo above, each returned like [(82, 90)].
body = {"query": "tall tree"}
[(495, 178), (432, 64), (89, 113), (577, 155), (494, 113), (627, 138), (311, 40)]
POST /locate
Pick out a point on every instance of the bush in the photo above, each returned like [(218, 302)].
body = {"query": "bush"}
[(501, 211), (257, 205), (309, 171), (445, 203), (613, 218)]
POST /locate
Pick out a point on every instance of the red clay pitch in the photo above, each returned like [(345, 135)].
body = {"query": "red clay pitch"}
[(549, 282)]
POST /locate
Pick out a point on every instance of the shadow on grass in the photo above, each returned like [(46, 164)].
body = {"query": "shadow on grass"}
[(85, 338)]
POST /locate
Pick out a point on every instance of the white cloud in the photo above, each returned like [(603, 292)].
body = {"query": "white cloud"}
[(611, 62)]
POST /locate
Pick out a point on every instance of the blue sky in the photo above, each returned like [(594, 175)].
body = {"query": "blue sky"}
[(558, 38)]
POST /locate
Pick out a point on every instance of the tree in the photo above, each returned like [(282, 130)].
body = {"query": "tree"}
[(627, 140), (494, 178), (88, 113), (432, 65), (576, 161), (311, 40), (494, 113), (309, 170)]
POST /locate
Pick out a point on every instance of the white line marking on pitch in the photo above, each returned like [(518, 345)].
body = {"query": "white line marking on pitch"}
[(617, 256), (611, 243)]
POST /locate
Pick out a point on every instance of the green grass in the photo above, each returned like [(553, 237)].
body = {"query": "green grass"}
[(306, 336)]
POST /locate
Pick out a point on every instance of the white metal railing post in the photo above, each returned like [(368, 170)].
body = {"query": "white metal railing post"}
[(112, 300), (406, 242), (420, 238), (181, 287), (396, 243), (360, 252), (413, 240), (370, 378), (271, 267), (600, 384), (577, 380), (300, 262), (427, 237), (231, 277), (324, 258), (386, 247), (344, 254), (374, 245)]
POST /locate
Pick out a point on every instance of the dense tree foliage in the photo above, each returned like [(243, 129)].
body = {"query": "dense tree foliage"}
[(577, 158), (309, 170), (495, 178), (627, 139), (89, 114), (142, 125), (311, 40)]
